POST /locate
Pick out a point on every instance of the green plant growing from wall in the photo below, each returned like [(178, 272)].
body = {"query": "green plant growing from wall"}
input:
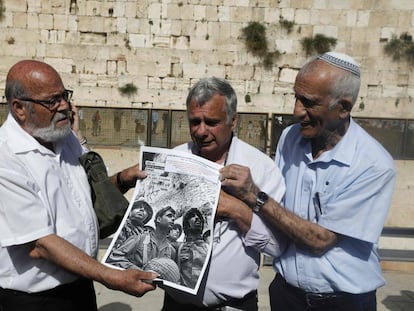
[(2, 10), (254, 35), (401, 48), (288, 25), (128, 89), (318, 44)]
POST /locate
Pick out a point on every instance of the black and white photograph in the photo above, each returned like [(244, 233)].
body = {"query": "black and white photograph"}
[(166, 228)]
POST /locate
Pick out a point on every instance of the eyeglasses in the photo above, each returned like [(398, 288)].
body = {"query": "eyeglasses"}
[(53, 103)]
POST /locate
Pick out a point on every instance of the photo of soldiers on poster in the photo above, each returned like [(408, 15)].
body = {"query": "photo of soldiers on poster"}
[(167, 225)]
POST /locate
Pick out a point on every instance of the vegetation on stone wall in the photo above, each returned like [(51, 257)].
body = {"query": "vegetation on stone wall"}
[(128, 89), (401, 48), (288, 25), (254, 35), (318, 44), (2, 9)]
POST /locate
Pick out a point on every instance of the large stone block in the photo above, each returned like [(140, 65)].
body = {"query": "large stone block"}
[(216, 71), (138, 41), (154, 10), (194, 70), (240, 14), (15, 6), (288, 75), (224, 14)]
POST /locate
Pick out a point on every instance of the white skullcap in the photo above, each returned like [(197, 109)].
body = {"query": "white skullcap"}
[(342, 61)]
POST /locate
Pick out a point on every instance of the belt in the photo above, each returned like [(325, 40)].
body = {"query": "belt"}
[(315, 300), (247, 303)]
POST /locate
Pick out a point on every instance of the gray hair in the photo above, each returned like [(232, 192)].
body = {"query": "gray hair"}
[(206, 88), (15, 89), (347, 84)]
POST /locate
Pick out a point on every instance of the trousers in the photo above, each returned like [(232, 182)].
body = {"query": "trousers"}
[(285, 297), (247, 303), (76, 296)]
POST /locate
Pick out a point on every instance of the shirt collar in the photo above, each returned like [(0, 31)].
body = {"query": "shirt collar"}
[(343, 151), (19, 140)]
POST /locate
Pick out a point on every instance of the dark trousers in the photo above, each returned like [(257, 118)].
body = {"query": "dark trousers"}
[(76, 296), (285, 297), (248, 303)]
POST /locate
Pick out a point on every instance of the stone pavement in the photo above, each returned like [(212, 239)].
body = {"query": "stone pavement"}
[(396, 295)]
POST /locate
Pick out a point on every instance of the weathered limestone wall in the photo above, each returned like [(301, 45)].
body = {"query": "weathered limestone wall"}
[(162, 46)]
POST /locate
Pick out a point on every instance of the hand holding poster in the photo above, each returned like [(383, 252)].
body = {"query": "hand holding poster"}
[(167, 226)]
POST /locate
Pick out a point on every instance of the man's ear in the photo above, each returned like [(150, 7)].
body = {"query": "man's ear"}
[(234, 121), (345, 105), (19, 110)]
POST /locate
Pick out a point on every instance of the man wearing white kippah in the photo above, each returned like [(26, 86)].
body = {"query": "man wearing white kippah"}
[(339, 183)]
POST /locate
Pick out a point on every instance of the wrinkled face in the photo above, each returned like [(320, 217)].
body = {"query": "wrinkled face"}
[(313, 97), (209, 128), (45, 123)]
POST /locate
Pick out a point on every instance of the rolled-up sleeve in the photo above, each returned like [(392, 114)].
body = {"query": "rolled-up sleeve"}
[(24, 217), (263, 239)]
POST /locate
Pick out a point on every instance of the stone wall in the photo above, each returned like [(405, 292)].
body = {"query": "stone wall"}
[(164, 46)]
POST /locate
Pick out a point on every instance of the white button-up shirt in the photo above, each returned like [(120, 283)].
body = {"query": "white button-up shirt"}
[(235, 259), (41, 193)]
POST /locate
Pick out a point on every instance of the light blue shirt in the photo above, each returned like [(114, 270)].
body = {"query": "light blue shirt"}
[(346, 190)]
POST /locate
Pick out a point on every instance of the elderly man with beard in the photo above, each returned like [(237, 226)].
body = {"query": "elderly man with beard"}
[(48, 229)]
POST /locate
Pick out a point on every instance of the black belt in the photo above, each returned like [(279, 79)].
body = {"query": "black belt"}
[(315, 300), (247, 303)]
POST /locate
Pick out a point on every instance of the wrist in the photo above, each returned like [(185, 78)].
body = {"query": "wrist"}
[(83, 141), (119, 182), (252, 197), (261, 200)]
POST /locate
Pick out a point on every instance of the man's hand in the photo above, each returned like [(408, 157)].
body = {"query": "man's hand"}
[(237, 180), (229, 206), (127, 178), (66, 255), (75, 123), (131, 281)]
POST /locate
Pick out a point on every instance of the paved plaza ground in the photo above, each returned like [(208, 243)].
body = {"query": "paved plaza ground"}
[(397, 295)]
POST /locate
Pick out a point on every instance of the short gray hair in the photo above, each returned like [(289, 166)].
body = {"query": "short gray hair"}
[(206, 88)]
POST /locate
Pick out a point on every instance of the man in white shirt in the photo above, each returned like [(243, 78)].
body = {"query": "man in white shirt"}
[(239, 236), (48, 228)]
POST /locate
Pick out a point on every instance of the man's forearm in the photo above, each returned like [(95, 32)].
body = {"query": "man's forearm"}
[(67, 256), (301, 231)]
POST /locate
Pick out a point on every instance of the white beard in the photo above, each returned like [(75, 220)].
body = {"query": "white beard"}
[(51, 133)]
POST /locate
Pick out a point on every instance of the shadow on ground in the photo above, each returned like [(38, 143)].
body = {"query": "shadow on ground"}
[(115, 306), (404, 301)]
